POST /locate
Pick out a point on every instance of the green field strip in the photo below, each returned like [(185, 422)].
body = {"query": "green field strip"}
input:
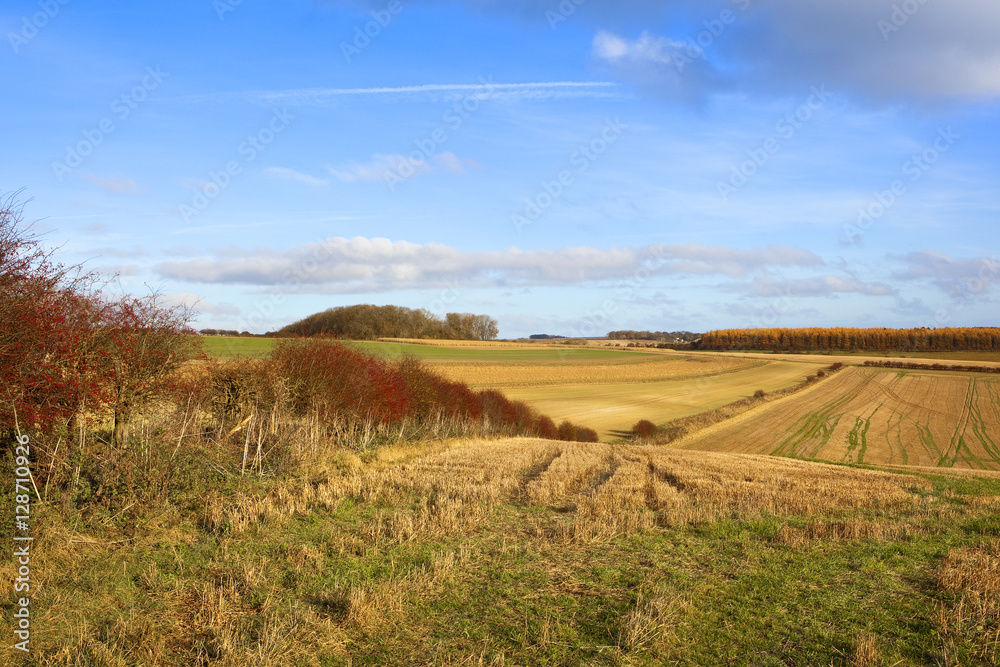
[(969, 457), (814, 421), (957, 439), (899, 438), (811, 423), (857, 439), (979, 427), (442, 353), (927, 440), (827, 431)]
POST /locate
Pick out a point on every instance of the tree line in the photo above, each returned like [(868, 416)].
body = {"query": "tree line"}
[(965, 368), (853, 339), (368, 322)]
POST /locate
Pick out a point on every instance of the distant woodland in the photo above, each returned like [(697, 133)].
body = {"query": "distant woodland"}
[(366, 322), (847, 340)]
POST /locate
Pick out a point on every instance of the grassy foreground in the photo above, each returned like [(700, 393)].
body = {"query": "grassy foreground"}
[(528, 552)]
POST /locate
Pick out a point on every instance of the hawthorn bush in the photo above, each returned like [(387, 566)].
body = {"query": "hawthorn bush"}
[(546, 428), (68, 352), (644, 429), (567, 431)]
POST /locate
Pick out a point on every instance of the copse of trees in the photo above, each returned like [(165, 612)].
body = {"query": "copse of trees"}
[(368, 322), (848, 340)]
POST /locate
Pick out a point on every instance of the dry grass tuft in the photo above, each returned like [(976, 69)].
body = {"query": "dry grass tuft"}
[(865, 653), (971, 575)]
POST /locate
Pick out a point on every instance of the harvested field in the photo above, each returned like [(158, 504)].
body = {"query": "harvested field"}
[(527, 551), (881, 416), (637, 368), (613, 405)]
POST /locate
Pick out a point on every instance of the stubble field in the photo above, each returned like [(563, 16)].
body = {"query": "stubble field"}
[(534, 552)]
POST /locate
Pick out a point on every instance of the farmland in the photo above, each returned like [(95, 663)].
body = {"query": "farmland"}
[(526, 551), (881, 416), (516, 551)]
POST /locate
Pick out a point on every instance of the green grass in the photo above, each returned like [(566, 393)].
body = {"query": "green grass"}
[(726, 592), (461, 354), (227, 347)]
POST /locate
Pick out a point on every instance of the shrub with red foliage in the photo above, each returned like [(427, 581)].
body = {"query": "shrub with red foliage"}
[(644, 429), (546, 428), (142, 343), (340, 384), (338, 381), (567, 431), (65, 349), (498, 410), (586, 435)]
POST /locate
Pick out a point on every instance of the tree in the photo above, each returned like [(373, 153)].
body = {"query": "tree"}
[(485, 328), (47, 342), (142, 342), (65, 349)]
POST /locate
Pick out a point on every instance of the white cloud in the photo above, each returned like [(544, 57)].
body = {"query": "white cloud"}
[(121, 185), (341, 265), (199, 304), (816, 286), (286, 174), (870, 49), (486, 90), (955, 276), (386, 168)]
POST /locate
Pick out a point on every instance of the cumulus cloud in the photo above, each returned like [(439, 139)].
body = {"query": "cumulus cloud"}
[(200, 305), (956, 276), (816, 286), (287, 174), (341, 265), (872, 49), (662, 65)]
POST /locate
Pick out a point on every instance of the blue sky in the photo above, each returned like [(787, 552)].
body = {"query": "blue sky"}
[(567, 167)]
